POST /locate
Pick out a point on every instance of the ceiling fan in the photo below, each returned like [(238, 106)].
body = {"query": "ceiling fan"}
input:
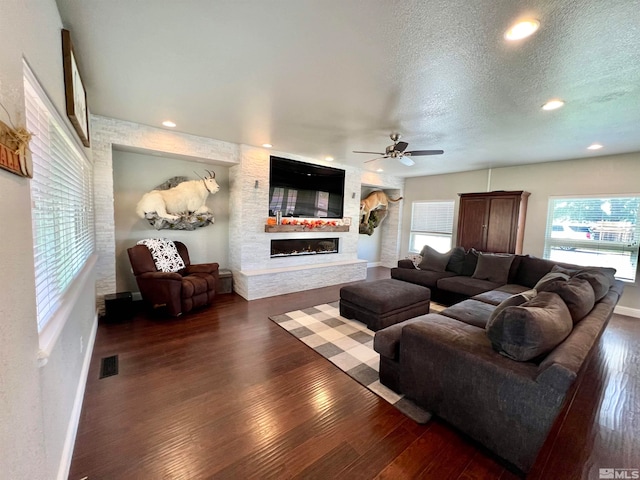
[(398, 150)]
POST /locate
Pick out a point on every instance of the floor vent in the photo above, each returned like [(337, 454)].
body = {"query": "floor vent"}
[(109, 366)]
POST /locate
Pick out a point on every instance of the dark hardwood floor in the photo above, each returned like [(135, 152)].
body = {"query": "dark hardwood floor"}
[(226, 393)]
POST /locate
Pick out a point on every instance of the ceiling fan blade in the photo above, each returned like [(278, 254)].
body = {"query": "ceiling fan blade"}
[(406, 161), (401, 146), (425, 152), (372, 153), (377, 158)]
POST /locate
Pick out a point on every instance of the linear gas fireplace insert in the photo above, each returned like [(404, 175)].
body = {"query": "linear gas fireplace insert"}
[(294, 247)]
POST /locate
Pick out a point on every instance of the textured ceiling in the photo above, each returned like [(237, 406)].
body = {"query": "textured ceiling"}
[(326, 77)]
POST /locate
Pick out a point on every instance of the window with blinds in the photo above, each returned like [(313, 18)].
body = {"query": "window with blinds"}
[(431, 224), (598, 231), (61, 201)]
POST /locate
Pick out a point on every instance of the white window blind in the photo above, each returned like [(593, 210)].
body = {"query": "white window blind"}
[(595, 231), (431, 224), (62, 202)]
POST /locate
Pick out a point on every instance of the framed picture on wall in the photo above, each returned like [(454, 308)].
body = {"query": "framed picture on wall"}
[(75, 94)]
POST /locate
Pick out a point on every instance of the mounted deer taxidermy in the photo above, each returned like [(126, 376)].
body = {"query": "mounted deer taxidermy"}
[(179, 203)]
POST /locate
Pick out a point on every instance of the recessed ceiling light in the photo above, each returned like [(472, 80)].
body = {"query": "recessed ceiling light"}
[(379, 170), (329, 159), (594, 146), (522, 29), (267, 145), (169, 123), (553, 104)]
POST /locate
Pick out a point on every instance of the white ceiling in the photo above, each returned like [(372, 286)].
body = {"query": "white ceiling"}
[(325, 77)]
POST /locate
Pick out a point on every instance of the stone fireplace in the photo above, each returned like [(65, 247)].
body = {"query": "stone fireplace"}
[(303, 246)]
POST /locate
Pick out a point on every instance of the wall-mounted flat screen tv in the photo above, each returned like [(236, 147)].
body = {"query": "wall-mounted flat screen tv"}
[(299, 189)]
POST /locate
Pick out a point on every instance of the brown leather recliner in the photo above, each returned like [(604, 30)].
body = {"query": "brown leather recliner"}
[(193, 286)]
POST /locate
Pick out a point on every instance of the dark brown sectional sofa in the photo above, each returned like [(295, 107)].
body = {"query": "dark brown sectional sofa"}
[(500, 377)]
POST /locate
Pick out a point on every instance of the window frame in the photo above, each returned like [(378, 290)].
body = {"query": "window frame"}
[(56, 147), (413, 231), (572, 244)]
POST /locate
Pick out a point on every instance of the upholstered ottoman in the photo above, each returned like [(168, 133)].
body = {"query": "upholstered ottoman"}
[(382, 303)]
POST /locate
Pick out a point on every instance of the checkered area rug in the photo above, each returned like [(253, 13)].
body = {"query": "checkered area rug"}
[(348, 344)]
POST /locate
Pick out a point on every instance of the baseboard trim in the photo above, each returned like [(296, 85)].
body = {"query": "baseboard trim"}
[(629, 312), (72, 428)]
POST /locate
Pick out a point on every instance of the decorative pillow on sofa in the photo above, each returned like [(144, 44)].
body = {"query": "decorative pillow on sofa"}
[(456, 260), (415, 259), (600, 280), (533, 329), (550, 278), (433, 260), (576, 293), (512, 301), (494, 268), (470, 262)]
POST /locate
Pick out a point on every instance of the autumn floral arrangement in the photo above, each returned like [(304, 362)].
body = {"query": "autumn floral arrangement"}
[(306, 223)]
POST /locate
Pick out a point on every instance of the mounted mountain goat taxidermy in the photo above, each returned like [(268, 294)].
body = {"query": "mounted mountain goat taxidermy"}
[(185, 198)]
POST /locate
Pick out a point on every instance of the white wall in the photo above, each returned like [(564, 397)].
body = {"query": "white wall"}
[(36, 404), (616, 174), (135, 174)]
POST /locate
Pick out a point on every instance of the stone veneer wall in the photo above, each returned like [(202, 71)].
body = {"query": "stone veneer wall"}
[(256, 275), (107, 132)]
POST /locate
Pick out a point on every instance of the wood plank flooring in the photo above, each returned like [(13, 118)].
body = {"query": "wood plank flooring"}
[(226, 393)]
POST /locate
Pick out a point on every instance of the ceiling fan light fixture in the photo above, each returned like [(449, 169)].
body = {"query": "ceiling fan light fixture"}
[(379, 170), (553, 104), (595, 146), (329, 158), (267, 145), (169, 123), (522, 29)]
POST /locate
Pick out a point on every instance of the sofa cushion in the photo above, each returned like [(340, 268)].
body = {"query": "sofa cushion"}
[(468, 286), (515, 265), (470, 262), (497, 296), (513, 288), (531, 270), (566, 270), (511, 301), (407, 263), (472, 312), (493, 267), (492, 297), (533, 329), (550, 278), (425, 278), (387, 340), (577, 293), (433, 260), (599, 279), (456, 260)]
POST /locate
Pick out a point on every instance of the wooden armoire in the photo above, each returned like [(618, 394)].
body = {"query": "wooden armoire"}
[(492, 221)]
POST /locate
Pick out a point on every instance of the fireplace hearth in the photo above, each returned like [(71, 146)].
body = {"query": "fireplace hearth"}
[(298, 246)]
